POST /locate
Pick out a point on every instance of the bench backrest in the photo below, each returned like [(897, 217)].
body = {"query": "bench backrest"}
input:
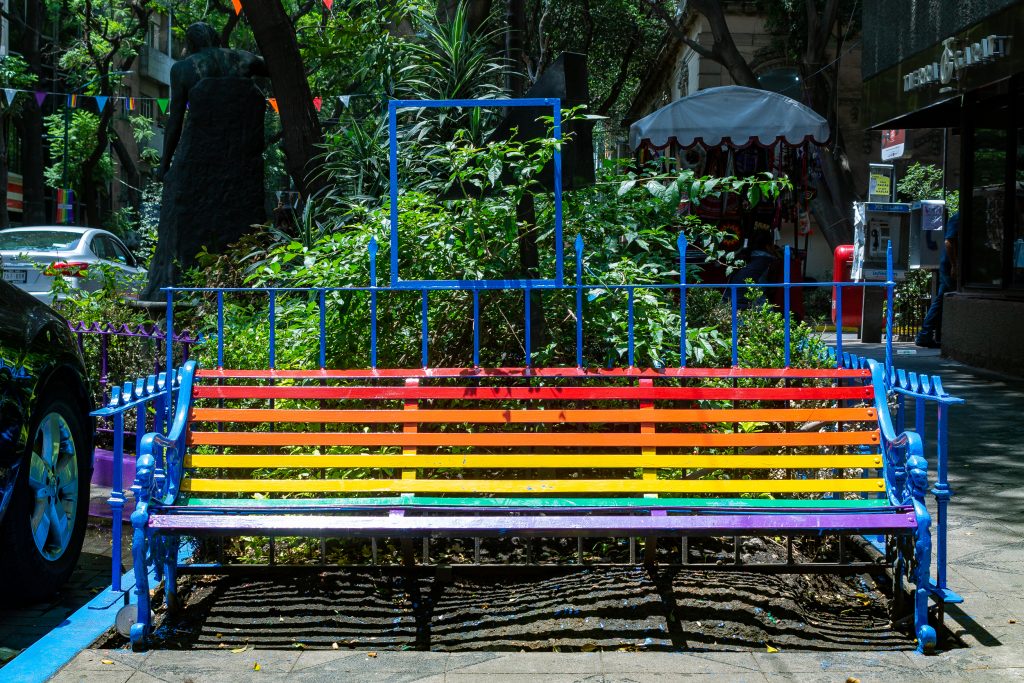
[(772, 433)]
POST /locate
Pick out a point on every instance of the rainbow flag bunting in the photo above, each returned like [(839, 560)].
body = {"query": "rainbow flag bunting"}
[(273, 104), (162, 103), (101, 102), (318, 102), (237, 5), (72, 100), (65, 206), (11, 93)]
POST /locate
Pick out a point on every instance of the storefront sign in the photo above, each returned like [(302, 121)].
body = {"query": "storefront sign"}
[(893, 144), (954, 59)]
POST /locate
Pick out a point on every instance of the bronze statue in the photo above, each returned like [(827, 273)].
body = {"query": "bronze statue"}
[(212, 165)]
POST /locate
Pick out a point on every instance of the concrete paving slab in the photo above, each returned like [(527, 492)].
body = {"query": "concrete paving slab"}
[(832, 663), (752, 677), (678, 662), (525, 663)]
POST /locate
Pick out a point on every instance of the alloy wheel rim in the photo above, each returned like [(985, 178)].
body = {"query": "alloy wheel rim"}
[(53, 479)]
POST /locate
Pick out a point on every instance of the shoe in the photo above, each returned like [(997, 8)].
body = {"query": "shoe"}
[(927, 342)]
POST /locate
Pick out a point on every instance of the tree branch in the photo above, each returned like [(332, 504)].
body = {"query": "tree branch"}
[(677, 30), (620, 78)]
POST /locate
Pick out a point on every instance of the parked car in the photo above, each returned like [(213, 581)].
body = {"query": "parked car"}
[(45, 448), (66, 251)]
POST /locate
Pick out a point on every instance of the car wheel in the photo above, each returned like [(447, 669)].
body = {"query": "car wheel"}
[(42, 532)]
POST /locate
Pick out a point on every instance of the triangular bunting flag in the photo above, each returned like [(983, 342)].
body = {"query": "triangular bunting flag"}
[(40, 97), (72, 100), (101, 101), (318, 102), (344, 99), (328, 3), (162, 103), (237, 5), (11, 93), (273, 104)]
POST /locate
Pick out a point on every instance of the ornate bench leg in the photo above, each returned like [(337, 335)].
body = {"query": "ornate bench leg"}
[(170, 560), (926, 636), (140, 558)]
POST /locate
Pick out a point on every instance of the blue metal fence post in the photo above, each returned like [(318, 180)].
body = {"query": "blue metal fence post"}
[(373, 248), (579, 300), (169, 343), (557, 188), (116, 502), (527, 331), (393, 185), (681, 244), (322, 310), (890, 313), (476, 328), (272, 314), (423, 328), (786, 309), (839, 328), (735, 326), (629, 327), (220, 329)]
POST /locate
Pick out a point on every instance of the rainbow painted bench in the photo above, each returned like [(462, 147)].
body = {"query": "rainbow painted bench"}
[(570, 452)]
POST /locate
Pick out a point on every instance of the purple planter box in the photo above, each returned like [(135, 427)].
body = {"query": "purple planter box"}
[(103, 476)]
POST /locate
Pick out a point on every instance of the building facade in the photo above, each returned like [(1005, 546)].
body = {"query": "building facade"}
[(960, 65)]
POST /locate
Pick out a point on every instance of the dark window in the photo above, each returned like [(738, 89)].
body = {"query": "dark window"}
[(988, 197)]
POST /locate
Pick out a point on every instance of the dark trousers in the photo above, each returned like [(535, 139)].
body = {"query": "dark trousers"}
[(932, 325)]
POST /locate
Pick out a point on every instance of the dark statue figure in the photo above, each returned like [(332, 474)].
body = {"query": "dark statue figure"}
[(213, 191)]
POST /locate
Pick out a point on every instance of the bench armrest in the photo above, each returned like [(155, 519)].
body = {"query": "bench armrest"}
[(906, 468), (153, 482)]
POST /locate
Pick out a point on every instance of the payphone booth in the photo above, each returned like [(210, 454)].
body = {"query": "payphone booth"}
[(875, 225)]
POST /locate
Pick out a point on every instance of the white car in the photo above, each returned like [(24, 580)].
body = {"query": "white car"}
[(64, 250)]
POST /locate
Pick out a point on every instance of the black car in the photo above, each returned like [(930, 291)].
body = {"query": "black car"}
[(45, 448)]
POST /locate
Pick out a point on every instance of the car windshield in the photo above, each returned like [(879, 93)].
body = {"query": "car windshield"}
[(39, 240)]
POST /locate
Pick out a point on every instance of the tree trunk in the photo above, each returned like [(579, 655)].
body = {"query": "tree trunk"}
[(275, 37), (89, 189), (31, 129)]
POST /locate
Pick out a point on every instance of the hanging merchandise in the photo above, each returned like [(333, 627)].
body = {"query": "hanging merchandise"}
[(803, 221)]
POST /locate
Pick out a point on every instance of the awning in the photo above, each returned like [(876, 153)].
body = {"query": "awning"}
[(732, 115)]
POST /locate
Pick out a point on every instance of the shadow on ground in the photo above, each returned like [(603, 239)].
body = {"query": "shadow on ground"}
[(629, 608)]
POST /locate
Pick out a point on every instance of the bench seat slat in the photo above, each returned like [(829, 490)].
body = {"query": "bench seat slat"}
[(603, 393), (536, 460), (522, 372), (596, 415), (552, 525), (539, 486), (513, 439), (765, 505)]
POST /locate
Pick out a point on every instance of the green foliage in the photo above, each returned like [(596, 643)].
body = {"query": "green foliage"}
[(924, 181), (83, 131)]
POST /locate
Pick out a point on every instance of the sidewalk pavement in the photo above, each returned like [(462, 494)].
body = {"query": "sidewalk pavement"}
[(986, 566)]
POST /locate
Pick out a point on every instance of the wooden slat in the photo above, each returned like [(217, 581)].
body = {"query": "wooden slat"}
[(514, 439), (433, 373), (596, 415), (533, 486), (603, 393), (536, 460)]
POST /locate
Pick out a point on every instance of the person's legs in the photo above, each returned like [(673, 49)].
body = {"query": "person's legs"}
[(931, 328)]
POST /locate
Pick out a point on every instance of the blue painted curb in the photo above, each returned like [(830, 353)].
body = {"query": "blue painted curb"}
[(49, 654)]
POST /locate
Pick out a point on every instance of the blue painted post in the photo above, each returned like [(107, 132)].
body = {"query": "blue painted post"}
[(579, 301), (839, 327), (273, 328), (169, 344), (629, 326), (373, 248), (681, 244), (476, 328), (116, 502), (786, 307), (322, 306), (942, 493), (557, 189), (220, 330), (526, 335), (735, 327), (423, 328), (890, 288), (393, 185), (901, 413)]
